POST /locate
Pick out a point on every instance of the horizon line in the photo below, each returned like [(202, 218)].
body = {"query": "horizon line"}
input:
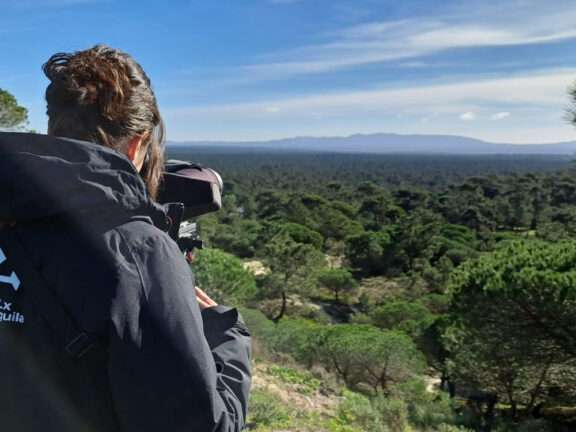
[(360, 134)]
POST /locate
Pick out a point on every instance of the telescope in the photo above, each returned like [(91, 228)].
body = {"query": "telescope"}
[(189, 190)]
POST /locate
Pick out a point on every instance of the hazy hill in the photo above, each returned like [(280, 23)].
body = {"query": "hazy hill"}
[(392, 143)]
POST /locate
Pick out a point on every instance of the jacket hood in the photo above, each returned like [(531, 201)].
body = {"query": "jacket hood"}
[(43, 176)]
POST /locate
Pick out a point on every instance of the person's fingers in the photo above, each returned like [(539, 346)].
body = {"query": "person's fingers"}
[(205, 298), (201, 294), (203, 305)]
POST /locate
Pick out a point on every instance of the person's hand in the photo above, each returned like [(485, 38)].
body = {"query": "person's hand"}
[(204, 301)]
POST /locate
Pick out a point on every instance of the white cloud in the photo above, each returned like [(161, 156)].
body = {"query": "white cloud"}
[(535, 98), (471, 36), (378, 42), (500, 115), (544, 89), (467, 116), (272, 109)]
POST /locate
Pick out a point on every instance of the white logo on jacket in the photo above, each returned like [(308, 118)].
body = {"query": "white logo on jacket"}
[(7, 314), (13, 279)]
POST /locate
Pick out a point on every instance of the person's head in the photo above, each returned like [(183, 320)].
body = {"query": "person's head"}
[(103, 95)]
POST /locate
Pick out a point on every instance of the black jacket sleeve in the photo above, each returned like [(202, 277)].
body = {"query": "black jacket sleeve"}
[(229, 341), (168, 370)]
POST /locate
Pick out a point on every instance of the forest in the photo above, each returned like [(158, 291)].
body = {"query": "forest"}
[(427, 293)]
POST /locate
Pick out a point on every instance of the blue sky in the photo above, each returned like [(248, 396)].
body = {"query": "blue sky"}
[(262, 69)]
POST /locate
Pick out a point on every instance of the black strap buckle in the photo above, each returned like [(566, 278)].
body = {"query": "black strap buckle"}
[(79, 346)]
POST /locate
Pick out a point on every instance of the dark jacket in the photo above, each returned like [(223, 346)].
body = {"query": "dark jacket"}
[(87, 224)]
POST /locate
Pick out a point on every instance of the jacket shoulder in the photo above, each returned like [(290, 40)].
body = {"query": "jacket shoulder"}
[(139, 231), (147, 245), (138, 241), (147, 255)]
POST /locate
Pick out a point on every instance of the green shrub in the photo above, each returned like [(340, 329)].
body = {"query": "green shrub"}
[(304, 380), (410, 317), (259, 325), (296, 337), (426, 411), (431, 414), (303, 234), (451, 428), (394, 413), (356, 411), (367, 358), (436, 303), (380, 414), (223, 277), (337, 280), (267, 409)]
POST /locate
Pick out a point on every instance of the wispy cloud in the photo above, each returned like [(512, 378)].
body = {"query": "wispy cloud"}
[(500, 116), (542, 89), (388, 41), (533, 96), (467, 116)]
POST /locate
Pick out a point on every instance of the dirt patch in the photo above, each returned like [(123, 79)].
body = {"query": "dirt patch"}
[(257, 268)]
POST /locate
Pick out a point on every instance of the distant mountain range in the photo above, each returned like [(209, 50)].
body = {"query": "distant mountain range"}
[(391, 143)]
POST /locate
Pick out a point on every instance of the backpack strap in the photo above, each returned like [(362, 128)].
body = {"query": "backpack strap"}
[(75, 341)]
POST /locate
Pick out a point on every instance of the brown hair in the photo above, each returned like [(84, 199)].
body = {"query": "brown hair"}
[(103, 95)]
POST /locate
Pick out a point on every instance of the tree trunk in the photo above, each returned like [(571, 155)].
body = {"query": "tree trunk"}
[(384, 383), (447, 384), (536, 390), (490, 415), (451, 388), (513, 410), (443, 380), (280, 315)]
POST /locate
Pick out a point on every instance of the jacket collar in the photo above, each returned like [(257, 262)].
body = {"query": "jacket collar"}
[(42, 177)]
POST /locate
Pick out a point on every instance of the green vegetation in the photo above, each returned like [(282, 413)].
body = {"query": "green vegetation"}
[(306, 382), (511, 329), (267, 411), (224, 276), (337, 280), (12, 115), (411, 318), (422, 294)]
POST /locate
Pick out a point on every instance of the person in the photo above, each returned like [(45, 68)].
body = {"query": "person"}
[(80, 200)]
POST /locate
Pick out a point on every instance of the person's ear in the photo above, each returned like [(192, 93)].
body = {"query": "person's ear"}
[(134, 151), (133, 147)]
